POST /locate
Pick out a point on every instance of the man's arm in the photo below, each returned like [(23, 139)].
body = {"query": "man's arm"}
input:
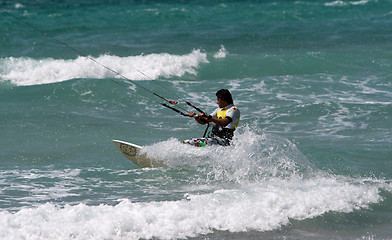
[(199, 118), (203, 119), (220, 122)]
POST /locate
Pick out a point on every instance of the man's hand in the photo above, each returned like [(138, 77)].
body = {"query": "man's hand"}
[(201, 118), (204, 116), (191, 114)]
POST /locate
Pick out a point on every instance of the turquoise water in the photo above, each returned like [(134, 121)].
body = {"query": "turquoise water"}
[(310, 159)]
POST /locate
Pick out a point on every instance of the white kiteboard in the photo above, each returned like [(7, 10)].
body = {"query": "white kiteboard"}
[(132, 152)]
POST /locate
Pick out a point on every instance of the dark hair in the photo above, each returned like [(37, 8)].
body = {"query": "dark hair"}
[(225, 95)]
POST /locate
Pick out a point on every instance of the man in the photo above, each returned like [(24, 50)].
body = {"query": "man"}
[(225, 118)]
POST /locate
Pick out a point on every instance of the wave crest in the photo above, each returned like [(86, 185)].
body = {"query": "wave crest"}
[(25, 71)]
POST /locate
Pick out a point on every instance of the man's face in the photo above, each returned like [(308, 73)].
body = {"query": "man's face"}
[(221, 103)]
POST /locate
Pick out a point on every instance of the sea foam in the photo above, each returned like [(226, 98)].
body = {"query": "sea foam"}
[(261, 207), (25, 71), (260, 183)]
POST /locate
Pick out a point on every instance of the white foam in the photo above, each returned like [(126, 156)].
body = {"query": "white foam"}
[(221, 53), (252, 157), (340, 3), (260, 183), (26, 71), (264, 206), (18, 5)]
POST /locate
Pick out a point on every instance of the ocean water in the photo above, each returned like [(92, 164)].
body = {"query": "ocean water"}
[(311, 159)]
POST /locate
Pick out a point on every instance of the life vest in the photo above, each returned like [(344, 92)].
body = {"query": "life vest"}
[(223, 132), (222, 115)]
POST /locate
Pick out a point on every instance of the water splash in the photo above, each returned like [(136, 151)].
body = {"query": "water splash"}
[(252, 157)]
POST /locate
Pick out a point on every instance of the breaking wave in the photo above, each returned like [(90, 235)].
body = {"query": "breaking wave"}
[(25, 71)]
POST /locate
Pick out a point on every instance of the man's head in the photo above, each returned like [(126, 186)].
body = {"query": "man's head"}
[(224, 98)]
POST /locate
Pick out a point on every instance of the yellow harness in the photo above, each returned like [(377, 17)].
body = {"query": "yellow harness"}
[(222, 115)]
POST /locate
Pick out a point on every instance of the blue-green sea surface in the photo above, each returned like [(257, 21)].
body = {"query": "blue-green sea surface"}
[(311, 158)]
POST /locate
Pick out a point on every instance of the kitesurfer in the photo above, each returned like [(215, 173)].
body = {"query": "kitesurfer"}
[(225, 118)]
